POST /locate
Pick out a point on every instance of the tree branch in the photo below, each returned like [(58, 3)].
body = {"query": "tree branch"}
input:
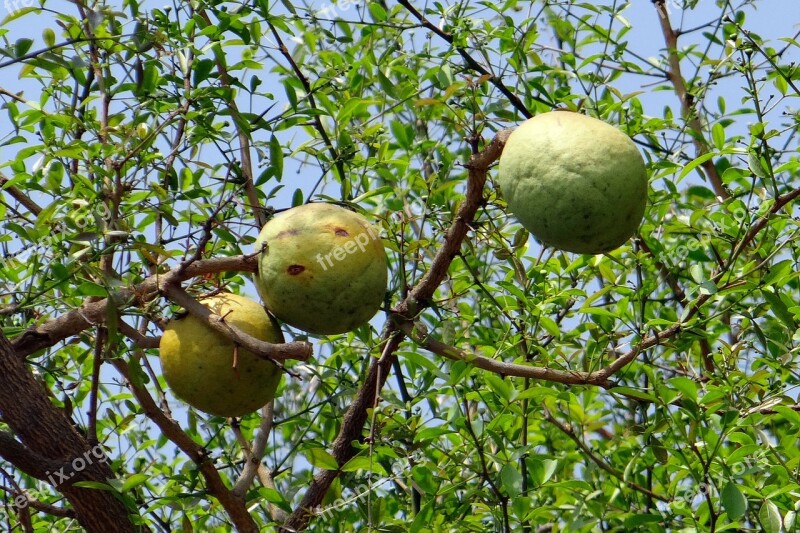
[(25, 459), (275, 353), (336, 158), (253, 466), (233, 505), (20, 196), (95, 312), (46, 432), (419, 297), (570, 432), (686, 98), (473, 64)]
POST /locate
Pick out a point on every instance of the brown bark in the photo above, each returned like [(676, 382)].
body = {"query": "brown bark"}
[(234, 505), (46, 432), (687, 100), (419, 298)]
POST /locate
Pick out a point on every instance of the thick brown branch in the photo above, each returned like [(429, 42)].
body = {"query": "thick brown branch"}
[(77, 320), (140, 340), (600, 378), (356, 416), (478, 165), (351, 430), (20, 196), (26, 460), (46, 432), (687, 104), (42, 507), (234, 506)]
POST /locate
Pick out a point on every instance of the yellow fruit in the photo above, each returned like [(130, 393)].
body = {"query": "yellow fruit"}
[(322, 268), (575, 182), (198, 362)]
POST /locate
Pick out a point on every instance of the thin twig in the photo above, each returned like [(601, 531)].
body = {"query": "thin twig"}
[(275, 353), (335, 157), (253, 465), (473, 64), (570, 432), (244, 136)]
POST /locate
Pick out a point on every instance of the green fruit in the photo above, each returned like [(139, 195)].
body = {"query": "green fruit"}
[(198, 362), (322, 268), (575, 182)]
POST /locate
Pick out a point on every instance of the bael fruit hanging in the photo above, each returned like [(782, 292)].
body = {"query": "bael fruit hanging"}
[(575, 182), (198, 362), (322, 268)]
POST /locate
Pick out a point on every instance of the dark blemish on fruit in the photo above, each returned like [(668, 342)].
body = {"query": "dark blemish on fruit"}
[(340, 232), (294, 270), (287, 233)]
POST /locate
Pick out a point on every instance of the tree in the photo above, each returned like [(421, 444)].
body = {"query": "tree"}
[(504, 385)]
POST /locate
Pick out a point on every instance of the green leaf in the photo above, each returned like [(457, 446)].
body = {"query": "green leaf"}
[(733, 501), (693, 165), (401, 134), (500, 386), (789, 520), (718, 135), (49, 36), (322, 459), (661, 453), (424, 479), (202, 70), (789, 414), (18, 13), (633, 521), (22, 46), (511, 480), (276, 157), (522, 507), (686, 386), (93, 485), (634, 393), (770, 517), (273, 496), (87, 288), (757, 165), (431, 433), (133, 481), (377, 11), (423, 518), (707, 287), (297, 197), (363, 463), (779, 309)]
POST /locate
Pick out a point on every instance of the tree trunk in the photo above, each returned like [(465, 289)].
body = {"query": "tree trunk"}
[(47, 432)]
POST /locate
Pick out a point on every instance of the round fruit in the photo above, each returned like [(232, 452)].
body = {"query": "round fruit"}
[(322, 268), (575, 182), (198, 362)]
